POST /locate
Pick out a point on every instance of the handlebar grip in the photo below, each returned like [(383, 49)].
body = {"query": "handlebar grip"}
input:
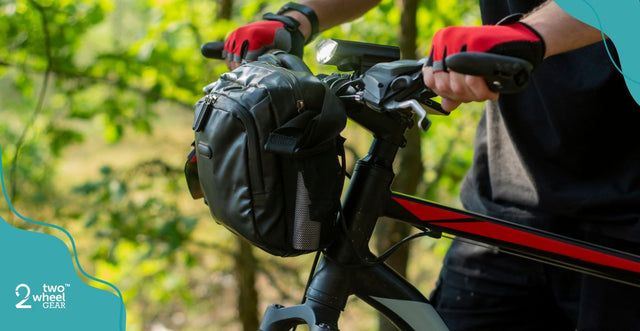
[(212, 50), (503, 74)]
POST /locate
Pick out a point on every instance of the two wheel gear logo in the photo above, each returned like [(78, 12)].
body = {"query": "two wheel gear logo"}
[(51, 296)]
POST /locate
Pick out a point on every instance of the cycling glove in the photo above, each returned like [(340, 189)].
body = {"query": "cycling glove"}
[(252, 40), (514, 39)]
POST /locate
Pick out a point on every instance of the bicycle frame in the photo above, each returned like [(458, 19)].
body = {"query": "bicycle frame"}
[(341, 271), (344, 269)]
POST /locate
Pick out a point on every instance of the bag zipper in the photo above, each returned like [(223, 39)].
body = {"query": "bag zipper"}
[(293, 82), (203, 115), (299, 98), (255, 170), (253, 146)]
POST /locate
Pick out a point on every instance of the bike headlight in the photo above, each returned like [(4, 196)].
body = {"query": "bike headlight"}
[(353, 55), (326, 50)]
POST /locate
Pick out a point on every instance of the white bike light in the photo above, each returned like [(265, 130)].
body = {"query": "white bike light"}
[(326, 50), (353, 55)]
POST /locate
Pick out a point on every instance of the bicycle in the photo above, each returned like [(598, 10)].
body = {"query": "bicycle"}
[(382, 94)]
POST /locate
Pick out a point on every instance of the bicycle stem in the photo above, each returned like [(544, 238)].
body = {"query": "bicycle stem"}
[(345, 268), (364, 201), (343, 265)]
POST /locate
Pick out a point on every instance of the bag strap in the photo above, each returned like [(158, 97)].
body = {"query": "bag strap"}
[(308, 132), (288, 138)]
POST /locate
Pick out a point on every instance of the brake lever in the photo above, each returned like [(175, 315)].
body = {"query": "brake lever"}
[(388, 80), (399, 85), (424, 123)]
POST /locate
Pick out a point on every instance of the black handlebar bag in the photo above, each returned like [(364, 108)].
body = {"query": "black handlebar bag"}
[(268, 149)]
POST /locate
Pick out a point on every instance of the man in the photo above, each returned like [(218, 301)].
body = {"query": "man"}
[(564, 156)]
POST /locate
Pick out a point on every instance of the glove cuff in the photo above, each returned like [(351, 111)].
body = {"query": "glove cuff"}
[(541, 47), (307, 12), (291, 25), (515, 19)]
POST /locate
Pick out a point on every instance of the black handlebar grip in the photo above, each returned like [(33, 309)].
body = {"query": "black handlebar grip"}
[(212, 50), (503, 74)]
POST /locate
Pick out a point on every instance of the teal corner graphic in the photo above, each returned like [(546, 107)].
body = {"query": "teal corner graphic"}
[(40, 289), (615, 19)]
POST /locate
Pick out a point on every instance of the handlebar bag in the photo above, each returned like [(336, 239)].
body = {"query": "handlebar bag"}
[(268, 149)]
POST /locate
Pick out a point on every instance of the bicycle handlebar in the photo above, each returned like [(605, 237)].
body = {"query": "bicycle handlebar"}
[(503, 74), (385, 83), (213, 50)]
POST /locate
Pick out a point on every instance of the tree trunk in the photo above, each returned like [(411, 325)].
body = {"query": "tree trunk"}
[(245, 268), (224, 9), (410, 167)]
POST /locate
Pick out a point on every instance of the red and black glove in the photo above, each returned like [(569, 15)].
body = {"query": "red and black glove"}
[(515, 39), (275, 32)]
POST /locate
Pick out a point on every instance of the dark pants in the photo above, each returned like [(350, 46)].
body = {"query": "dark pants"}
[(481, 289)]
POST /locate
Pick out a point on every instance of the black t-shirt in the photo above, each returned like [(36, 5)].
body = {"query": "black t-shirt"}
[(567, 148)]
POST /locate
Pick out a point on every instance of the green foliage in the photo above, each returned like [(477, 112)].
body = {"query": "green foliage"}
[(447, 154), (137, 206)]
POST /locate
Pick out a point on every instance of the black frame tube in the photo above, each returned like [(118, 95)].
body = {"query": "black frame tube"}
[(342, 271)]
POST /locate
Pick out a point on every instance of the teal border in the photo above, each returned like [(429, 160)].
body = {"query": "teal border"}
[(619, 16), (123, 312), (604, 40)]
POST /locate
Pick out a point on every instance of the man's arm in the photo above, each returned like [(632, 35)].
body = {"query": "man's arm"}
[(560, 32), (331, 13), (252, 40)]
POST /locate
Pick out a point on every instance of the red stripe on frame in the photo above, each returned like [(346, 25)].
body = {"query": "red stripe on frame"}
[(486, 229), (503, 233), (429, 213)]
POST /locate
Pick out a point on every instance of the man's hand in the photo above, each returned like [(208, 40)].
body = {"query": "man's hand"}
[(456, 88), (515, 39)]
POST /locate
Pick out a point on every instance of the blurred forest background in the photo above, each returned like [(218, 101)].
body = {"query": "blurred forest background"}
[(96, 105)]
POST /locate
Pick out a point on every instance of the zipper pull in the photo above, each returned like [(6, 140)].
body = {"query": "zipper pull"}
[(203, 109), (211, 99), (300, 105)]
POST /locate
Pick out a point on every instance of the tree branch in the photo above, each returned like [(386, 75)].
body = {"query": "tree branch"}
[(41, 96)]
